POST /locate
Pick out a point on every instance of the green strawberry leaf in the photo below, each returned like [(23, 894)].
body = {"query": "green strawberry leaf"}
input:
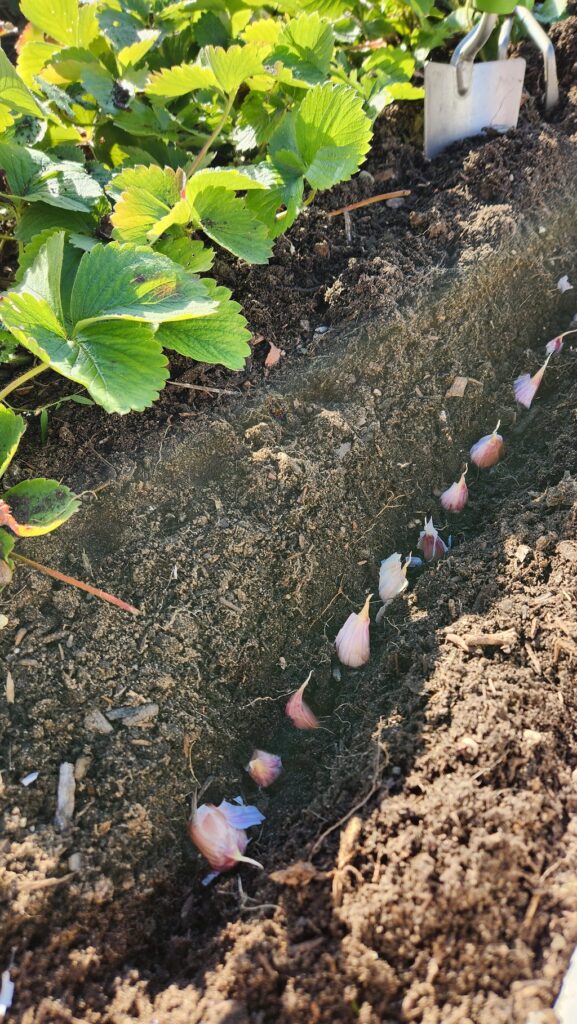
[(189, 252), (55, 95), (132, 282), (40, 216), (305, 46), (329, 134), (63, 20), (14, 96), (278, 207), (39, 506), (100, 331), (155, 121), (227, 219), (11, 429), (221, 337), (120, 25), (232, 67), (264, 32), (33, 176), (120, 363), (180, 81), (7, 542), (8, 346)]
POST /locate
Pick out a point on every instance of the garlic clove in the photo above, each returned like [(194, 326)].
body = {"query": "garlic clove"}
[(219, 841), (456, 496), (264, 768), (489, 450), (352, 641), (432, 546), (526, 386), (554, 346), (393, 577), (298, 710)]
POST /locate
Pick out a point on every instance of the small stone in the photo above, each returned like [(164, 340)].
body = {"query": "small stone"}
[(75, 862), (343, 449), (82, 764), (522, 553), (532, 738), (3, 621), (95, 721), (468, 748), (27, 780), (134, 717), (65, 796)]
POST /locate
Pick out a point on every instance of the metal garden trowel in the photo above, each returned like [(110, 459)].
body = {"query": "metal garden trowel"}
[(463, 98)]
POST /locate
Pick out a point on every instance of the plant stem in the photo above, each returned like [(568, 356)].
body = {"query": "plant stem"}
[(372, 199), (201, 155), (565, 333), (56, 575), (22, 379)]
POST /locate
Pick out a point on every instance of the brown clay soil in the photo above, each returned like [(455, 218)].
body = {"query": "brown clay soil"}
[(436, 810)]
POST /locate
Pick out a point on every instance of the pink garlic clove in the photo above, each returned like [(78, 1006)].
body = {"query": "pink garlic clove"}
[(456, 496), (218, 840), (488, 450), (526, 386), (264, 768), (554, 346), (352, 641), (298, 711), (432, 546)]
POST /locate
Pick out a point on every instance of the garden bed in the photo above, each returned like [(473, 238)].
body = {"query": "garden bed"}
[(246, 533)]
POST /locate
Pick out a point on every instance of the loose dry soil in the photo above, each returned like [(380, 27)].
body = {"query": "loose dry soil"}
[(438, 804)]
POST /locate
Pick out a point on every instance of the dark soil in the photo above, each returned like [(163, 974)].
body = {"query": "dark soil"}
[(444, 891)]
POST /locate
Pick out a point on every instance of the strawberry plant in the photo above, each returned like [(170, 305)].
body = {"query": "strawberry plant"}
[(137, 135), (33, 508), (30, 508), (127, 133)]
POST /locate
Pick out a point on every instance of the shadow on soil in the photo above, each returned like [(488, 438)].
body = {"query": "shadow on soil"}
[(247, 547)]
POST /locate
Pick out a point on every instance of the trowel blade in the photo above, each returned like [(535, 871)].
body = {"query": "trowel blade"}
[(492, 101)]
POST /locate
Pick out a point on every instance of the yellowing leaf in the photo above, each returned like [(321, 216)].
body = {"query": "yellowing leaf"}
[(146, 207), (129, 56), (180, 80), (63, 20), (39, 506), (234, 66), (262, 33)]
